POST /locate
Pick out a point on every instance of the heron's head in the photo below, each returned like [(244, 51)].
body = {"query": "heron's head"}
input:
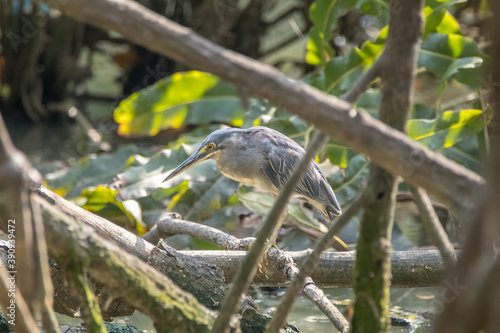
[(213, 144)]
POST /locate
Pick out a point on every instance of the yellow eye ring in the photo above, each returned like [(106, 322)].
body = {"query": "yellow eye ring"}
[(210, 146)]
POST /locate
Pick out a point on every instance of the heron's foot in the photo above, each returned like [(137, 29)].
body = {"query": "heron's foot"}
[(263, 264)]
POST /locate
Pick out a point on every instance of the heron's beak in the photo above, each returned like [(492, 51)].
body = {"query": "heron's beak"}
[(191, 161)]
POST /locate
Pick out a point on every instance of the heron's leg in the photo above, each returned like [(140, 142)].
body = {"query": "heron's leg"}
[(274, 235), (271, 241)]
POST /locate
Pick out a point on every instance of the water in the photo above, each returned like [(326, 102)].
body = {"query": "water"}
[(407, 303)]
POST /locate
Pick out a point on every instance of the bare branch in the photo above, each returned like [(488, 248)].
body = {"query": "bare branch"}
[(167, 226), (335, 269), (140, 284), (308, 266), (128, 241), (433, 227)]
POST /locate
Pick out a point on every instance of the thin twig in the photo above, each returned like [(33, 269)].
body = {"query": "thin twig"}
[(308, 266), (433, 227), (44, 282), (167, 226), (363, 83), (248, 269)]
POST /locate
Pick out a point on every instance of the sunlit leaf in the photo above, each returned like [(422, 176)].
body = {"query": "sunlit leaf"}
[(448, 129), (342, 72), (189, 98), (99, 197), (338, 154), (439, 53), (438, 19)]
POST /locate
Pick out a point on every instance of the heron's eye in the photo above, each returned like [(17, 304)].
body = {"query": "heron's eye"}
[(210, 147)]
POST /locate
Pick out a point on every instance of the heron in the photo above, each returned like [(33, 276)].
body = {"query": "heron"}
[(264, 158)]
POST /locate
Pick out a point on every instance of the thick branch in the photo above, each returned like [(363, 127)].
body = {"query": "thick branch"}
[(449, 182), (335, 269), (141, 285), (105, 229)]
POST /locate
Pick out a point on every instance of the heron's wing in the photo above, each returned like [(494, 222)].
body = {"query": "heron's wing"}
[(279, 168), (314, 186)]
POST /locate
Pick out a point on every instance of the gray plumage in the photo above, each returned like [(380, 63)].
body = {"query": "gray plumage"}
[(264, 158)]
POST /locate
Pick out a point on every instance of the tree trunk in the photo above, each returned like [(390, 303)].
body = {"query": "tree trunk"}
[(373, 265)]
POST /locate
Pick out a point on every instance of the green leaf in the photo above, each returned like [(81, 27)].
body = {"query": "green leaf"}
[(346, 187), (208, 192), (448, 129), (99, 197), (376, 8), (324, 15), (140, 181), (300, 216), (466, 153), (189, 98), (91, 170), (260, 203), (438, 19), (440, 51), (461, 66), (342, 72), (338, 154)]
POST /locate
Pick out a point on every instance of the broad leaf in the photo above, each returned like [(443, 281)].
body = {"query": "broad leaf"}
[(448, 129), (439, 53), (190, 98), (98, 198), (91, 170), (140, 181), (458, 66), (324, 15), (438, 19), (347, 186), (466, 153), (338, 154), (342, 72)]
